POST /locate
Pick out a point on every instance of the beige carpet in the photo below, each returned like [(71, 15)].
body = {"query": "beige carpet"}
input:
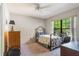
[(36, 48)]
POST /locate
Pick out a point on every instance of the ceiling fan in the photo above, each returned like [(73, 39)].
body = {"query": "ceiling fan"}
[(38, 6)]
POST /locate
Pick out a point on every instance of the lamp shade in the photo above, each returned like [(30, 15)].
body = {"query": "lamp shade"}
[(12, 22)]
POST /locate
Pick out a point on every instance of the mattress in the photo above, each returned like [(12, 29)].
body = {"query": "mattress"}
[(45, 39)]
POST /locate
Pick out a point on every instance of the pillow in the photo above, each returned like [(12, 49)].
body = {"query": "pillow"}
[(41, 33)]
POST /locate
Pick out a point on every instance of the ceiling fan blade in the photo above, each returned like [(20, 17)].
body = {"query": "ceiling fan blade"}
[(47, 6), (38, 6)]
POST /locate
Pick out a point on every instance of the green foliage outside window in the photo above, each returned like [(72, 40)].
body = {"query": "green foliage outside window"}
[(57, 24), (65, 26), (66, 23)]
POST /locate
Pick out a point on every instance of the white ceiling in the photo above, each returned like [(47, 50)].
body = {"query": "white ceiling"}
[(47, 9)]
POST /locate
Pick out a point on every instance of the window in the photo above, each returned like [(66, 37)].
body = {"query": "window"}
[(62, 26), (66, 26), (57, 27)]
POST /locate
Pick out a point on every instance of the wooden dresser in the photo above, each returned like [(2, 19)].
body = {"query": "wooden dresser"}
[(12, 40)]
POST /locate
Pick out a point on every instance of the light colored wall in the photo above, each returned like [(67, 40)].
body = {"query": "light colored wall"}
[(48, 26), (0, 28), (77, 28), (74, 12), (26, 25), (5, 16)]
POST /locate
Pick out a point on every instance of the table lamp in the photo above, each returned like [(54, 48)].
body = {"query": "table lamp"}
[(12, 23)]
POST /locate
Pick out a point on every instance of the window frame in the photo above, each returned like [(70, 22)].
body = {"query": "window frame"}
[(61, 28)]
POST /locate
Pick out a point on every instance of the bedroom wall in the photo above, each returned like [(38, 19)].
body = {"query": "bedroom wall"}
[(77, 28), (0, 29), (74, 12), (5, 16), (26, 25)]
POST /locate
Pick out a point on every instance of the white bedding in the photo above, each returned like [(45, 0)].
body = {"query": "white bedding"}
[(45, 39)]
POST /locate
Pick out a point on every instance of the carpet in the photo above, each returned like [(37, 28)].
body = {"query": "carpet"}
[(35, 49)]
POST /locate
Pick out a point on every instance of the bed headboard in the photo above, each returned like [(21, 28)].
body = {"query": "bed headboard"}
[(39, 31)]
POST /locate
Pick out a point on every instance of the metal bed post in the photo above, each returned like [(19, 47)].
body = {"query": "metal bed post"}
[(50, 42)]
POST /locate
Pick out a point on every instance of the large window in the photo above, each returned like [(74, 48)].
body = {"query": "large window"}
[(66, 26), (62, 26), (57, 27)]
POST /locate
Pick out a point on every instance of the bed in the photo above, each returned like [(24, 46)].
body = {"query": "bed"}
[(49, 41)]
